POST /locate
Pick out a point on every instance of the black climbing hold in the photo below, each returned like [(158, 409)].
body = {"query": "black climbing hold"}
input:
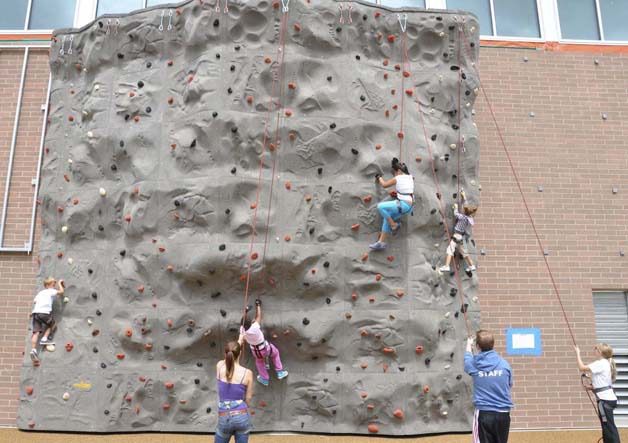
[(455, 127), (211, 345), (354, 151), (306, 284), (328, 300), (149, 65), (103, 365), (451, 355), (473, 45), (122, 143), (325, 380), (311, 231), (218, 56), (166, 347), (464, 308), (306, 321), (438, 195), (177, 203), (94, 295), (333, 126), (464, 76), (433, 268), (199, 283), (453, 112), (320, 171), (189, 330), (337, 368), (109, 385), (101, 228), (363, 98), (98, 312), (455, 68), (446, 157), (455, 195), (439, 18), (114, 167), (234, 129), (197, 381), (326, 264), (323, 340), (223, 312), (140, 84), (193, 144), (452, 27), (148, 109), (357, 57), (214, 114), (467, 92), (302, 425), (216, 22), (338, 29), (221, 247), (427, 361), (329, 189), (233, 170), (127, 117), (333, 412), (216, 294), (122, 253), (459, 377), (432, 99), (229, 91), (456, 314), (227, 211), (299, 344), (329, 78), (120, 55), (313, 397), (199, 364), (237, 48), (446, 55), (232, 68), (401, 368), (454, 177), (95, 350), (208, 410), (90, 271), (434, 136), (433, 211), (315, 357), (106, 412), (100, 24), (453, 292), (473, 242), (365, 17)]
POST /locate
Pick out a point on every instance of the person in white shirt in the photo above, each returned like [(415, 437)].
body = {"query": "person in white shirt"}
[(42, 314), (392, 210), (603, 374)]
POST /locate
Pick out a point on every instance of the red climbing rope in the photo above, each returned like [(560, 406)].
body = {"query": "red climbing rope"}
[(280, 50), (459, 147), (404, 57)]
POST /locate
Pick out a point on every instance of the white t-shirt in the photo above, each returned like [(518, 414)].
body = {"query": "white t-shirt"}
[(601, 377), (254, 336), (44, 300), (404, 187)]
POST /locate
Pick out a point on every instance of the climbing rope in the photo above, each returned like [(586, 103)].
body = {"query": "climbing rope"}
[(459, 147), (403, 23), (280, 52)]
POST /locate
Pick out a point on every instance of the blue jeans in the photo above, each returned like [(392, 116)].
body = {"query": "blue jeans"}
[(391, 209), (237, 425)]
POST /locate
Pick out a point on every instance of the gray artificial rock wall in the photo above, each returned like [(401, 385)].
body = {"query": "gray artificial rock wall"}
[(163, 111)]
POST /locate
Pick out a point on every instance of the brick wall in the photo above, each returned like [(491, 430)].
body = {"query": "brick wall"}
[(567, 148)]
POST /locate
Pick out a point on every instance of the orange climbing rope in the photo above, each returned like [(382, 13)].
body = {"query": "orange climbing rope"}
[(280, 52)]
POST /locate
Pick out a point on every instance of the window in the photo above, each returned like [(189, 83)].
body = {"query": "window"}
[(158, 2), (403, 3), (579, 19), (52, 15), (611, 326), (481, 8), (513, 18), (13, 14), (118, 6)]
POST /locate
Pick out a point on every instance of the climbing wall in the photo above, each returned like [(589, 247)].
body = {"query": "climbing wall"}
[(173, 132)]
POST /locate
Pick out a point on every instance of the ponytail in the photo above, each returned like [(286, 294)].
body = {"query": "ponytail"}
[(232, 352), (607, 352)]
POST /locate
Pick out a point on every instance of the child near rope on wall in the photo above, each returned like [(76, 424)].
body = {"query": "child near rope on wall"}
[(43, 322), (262, 350), (463, 221)]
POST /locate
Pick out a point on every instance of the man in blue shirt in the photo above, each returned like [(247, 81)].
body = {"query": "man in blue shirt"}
[(492, 380)]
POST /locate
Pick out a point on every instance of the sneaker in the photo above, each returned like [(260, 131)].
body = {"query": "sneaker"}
[(34, 355), (282, 374), (263, 381), (378, 246), (46, 341), (444, 269), (470, 268)]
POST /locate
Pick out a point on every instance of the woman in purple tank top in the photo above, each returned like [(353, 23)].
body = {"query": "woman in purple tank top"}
[(235, 391)]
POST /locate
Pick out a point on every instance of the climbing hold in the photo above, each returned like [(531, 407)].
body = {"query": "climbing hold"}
[(418, 350), (406, 74), (333, 126), (388, 350), (120, 356), (127, 218), (69, 346), (66, 396), (364, 365), (400, 293), (378, 277), (288, 185), (292, 85), (400, 134), (306, 321), (390, 258), (426, 389), (297, 27), (367, 199), (169, 385), (365, 256), (378, 146), (348, 315), (355, 226), (354, 296), (385, 75), (398, 414), (28, 390), (287, 237), (409, 92), (373, 428), (254, 256), (128, 332)]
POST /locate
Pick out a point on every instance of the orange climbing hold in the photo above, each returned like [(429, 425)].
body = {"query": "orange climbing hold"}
[(142, 378), (128, 332), (59, 254), (254, 256), (370, 406), (297, 27), (140, 289), (71, 118), (308, 198), (363, 395), (355, 226), (169, 385), (173, 146), (131, 94), (373, 428), (66, 177), (170, 268), (262, 404), (287, 237), (398, 414), (253, 205), (148, 346), (292, 85), (272, 147), (388, 350), (288, 113), (288, 185), (75, 201), (364, 365), (378, 146), (169, 323), (28, 390), (385, 62), (400, 293), (276, 5), (136, 118), (267, 60), (419, 349), (170, 100), (364, 333), (292, 136), (365, 256), (165, 406), (418, 159)]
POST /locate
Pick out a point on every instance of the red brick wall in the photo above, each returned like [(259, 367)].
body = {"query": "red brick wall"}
[(567, 148)]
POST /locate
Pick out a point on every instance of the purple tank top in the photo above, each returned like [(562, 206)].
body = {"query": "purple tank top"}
[(231, 392)]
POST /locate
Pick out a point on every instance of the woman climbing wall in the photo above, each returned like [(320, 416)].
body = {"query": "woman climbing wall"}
[(392, 210)]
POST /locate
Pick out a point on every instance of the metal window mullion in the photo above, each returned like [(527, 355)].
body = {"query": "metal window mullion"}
[(599, 20), (145, 3), (16, 123), (31, 236), (27, 19), (493, 24)]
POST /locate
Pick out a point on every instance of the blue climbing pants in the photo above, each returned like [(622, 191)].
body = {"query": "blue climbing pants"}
[(393, 209)]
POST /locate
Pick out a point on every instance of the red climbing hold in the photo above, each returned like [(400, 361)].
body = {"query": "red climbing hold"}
[(406, 74), (418, 159), (253, 205), (292, 85), (276, 5), (391, 38), (387, 113), (267, 60), (60, 208), (131, 94), (297, 27), (400, 134), (249, 99), (165, 406), (373, 428), (409, 92), (169, 323), (308, 198), (426, 389), (288, 185), (262, 404), (142, 378), (378, 277), (31, 424), (378, 147), (129, 398), (95, 332), (377, 14), (370, 406), (288, 113), (75, 201), (59, 254), (140, 289), (136, 118), (120, 356), (398, 414), (178, 11), (363, 395), (419, 349), (169, 385), (173, 146), (28, 390), (71, 118), (170, 63), (393, 91), (385, 62), (314, 271), (190, 78), (254, 256), (162, 249), (397, 67), (364, 365), (355, 226), (170, 268), (388, 350), (272, 147), (69, 346), (390, 258), (66, 177), (170, 100), (127, 218), (400, 293), (128, 332), (395, 107), (385, 75), (367, 199), (292, 136), (371, 299), (354, 296), (148, 346), (287, 237)]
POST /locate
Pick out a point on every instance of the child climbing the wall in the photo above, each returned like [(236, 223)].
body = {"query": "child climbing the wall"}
[(42, 314), (262, 350), (463, 221), (392, 210)]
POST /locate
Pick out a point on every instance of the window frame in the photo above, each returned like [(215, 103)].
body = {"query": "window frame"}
[(27, 19), (144, 3), (600, 24)]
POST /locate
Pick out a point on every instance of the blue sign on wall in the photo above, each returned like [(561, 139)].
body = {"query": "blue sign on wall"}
[(523, 341)]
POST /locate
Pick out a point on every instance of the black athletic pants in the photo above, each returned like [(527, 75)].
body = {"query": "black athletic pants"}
[(609, 430), (493, 427)]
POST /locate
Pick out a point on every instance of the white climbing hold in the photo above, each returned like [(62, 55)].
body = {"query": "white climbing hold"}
[(66, 300), (532, 114), (66, 396), (70, 260), (604, 116), (474, 299), (85, 113), (64, 229), (70, 161), (442, 34), (444, 413), (90, 134), (102, 192), (525, 59), (436, 245), (431, 111), (97, 88), (472, 29), (472, 111), (596, 61), (89, 321), (615, 190), (447, 314), (277, 239), (476, 90), (468, 104), (452, 146), (472, 182), (447, 367), (480, 187)]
